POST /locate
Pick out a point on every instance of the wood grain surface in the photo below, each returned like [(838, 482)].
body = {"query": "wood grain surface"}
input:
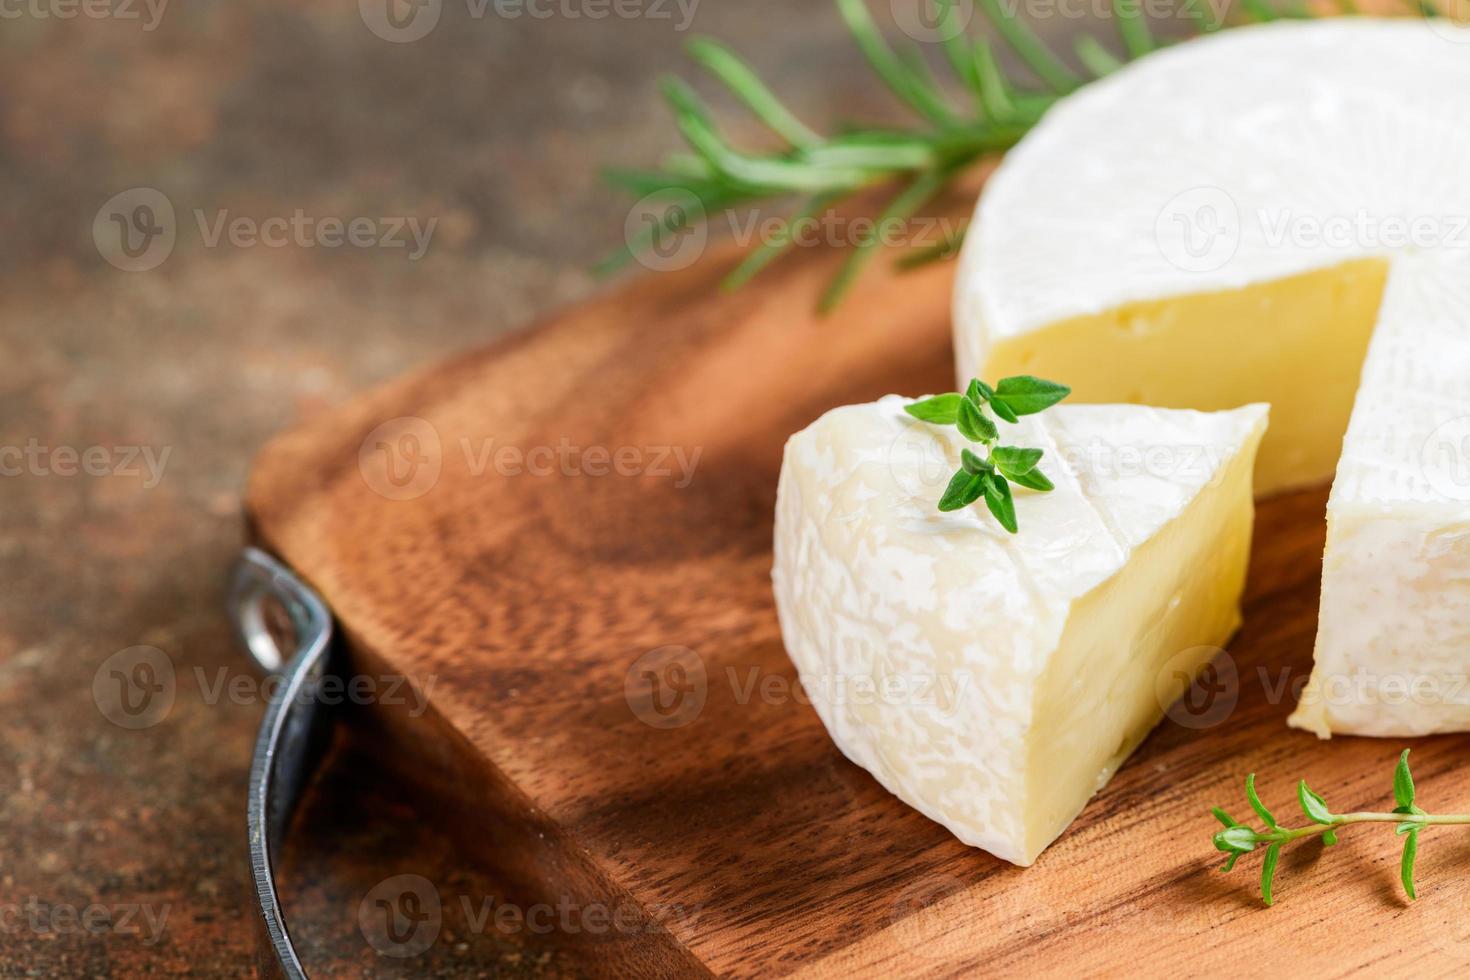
[(613, 718)]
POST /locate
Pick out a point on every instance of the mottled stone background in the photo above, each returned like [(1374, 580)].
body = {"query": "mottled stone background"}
[(493, 126)]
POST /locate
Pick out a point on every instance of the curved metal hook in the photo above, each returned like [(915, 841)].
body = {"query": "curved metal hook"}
[(292, 734)]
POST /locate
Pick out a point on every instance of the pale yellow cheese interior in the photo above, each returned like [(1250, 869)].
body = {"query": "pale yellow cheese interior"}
[(1132, 645), (1297, 343)]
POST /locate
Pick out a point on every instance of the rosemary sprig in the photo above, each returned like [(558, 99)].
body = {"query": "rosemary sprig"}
[(1237, 838), (825, 169), (946, 248), (988, 477)]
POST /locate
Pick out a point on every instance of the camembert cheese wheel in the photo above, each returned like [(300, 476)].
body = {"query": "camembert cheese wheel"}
[(1277, 213)]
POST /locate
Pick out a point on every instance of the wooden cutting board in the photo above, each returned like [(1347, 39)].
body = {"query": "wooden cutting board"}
[(613, 718)]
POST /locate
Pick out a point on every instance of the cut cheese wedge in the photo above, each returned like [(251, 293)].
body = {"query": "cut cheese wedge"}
[(1276, 213), (995, 682)]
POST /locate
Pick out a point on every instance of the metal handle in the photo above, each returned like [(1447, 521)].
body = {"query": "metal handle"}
[(292, 734)]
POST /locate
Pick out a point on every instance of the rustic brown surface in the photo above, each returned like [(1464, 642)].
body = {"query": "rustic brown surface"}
[(528, 604), (496, 128)]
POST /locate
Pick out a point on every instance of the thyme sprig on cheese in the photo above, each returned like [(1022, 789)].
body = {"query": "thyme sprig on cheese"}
[(1237, 838), (991, 476)]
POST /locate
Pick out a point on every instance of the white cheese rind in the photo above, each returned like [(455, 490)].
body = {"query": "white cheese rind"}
[(1395, 625), (1308, 121), (922, 637), (1320, 143)]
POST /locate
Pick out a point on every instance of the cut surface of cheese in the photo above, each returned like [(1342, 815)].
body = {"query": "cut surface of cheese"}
[(995, 682), (1274, 213), (1159, 352)]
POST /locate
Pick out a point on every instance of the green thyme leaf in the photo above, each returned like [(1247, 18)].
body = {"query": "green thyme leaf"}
[(1255, 802), (1035, 480), (1015, 462), (1403, 782), (1239, 838), (1268, 872), (941, 409), (999, 407), (973, 424), (1406, 866), (973, 463), (1027, 395), (1312, 805), (964, 489), (1329, 838), (1224, 817), (998, 499), (1230, 863)]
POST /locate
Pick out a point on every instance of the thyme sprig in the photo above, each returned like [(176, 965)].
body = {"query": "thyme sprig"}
[(1410, 820), (991, 476), (824, 169)]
